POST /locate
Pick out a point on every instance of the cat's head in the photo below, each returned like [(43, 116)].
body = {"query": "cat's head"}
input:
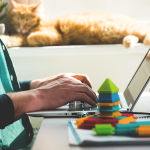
[(24, 17)]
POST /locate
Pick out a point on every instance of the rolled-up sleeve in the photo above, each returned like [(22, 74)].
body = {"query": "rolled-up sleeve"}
[(6, 111)]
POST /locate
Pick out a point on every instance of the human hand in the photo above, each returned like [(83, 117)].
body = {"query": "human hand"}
[(52, 95), (76, 77), (62, 91)]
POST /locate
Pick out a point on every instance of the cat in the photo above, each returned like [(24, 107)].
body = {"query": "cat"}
[(36, 29)]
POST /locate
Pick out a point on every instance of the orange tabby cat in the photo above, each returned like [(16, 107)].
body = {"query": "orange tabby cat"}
[(35, 29)]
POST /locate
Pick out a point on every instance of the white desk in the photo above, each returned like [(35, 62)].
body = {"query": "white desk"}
[(53, 133)]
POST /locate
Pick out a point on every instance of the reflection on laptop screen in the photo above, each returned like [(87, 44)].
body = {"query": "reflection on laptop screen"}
[(138, 82)]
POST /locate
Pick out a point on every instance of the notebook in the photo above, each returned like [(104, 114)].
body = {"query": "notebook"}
[(82, 137)]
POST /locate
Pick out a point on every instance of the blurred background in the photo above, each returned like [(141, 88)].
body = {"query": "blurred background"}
[(137, 9), (97, 61)]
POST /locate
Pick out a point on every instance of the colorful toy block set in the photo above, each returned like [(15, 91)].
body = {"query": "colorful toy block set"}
[(109, 120)]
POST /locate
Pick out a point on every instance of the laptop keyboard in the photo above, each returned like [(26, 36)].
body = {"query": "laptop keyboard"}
[(81, 106)]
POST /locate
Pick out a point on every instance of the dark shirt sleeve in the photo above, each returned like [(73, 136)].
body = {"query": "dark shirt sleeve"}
[(25, 85), (6, 111), (7, 107)]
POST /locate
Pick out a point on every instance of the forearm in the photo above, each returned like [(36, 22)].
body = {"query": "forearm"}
[(24, 102), (50, 95)]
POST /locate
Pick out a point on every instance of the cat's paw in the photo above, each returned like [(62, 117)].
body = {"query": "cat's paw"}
[(147, 40), (129, 41), (5, 40)]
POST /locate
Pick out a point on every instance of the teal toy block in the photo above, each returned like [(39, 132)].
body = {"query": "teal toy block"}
[(108, 108), (108, 87), (129, 132), (96, 117), (132, 124), (129, 129), (121, 117), (108, 98)]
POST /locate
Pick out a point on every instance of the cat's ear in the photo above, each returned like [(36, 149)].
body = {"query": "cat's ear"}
[(13, 4), (39, 8)]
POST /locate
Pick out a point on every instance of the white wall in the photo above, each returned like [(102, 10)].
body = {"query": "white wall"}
[(138, 9), (98, 62)]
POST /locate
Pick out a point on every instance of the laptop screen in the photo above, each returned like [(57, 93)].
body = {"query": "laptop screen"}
[(138, 82)]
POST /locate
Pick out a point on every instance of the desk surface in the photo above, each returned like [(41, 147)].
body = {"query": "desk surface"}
[(53, 135)]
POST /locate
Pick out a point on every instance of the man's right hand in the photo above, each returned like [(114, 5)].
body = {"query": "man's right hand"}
[(77, 77), (51, 96)]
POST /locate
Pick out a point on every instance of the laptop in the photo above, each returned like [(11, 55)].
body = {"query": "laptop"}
[(129, 98)]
